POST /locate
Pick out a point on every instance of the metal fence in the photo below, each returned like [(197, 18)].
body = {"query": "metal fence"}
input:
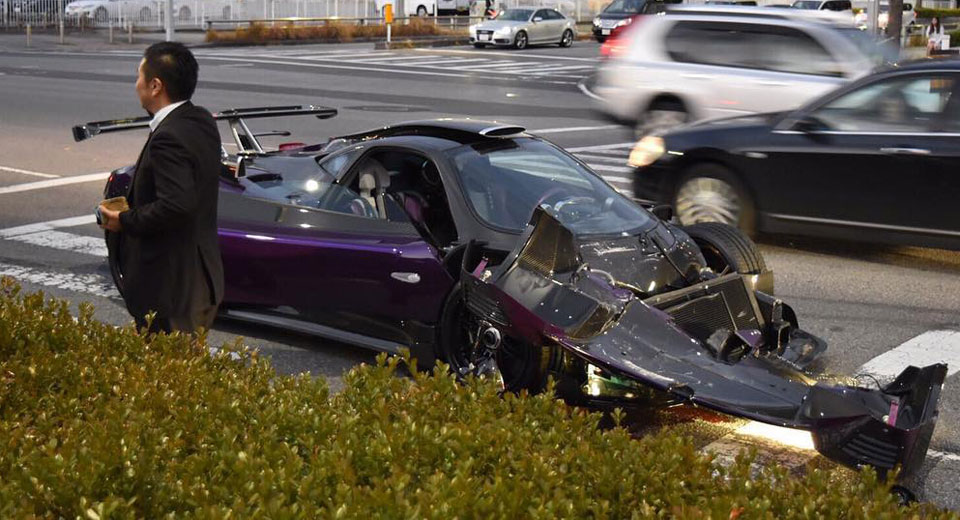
[(148, 14)]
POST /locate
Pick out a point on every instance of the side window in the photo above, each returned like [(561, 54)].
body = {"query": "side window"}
[(709, 43), (554, 15), (542, 13), (789, 50), (336, 163), (902, 105)]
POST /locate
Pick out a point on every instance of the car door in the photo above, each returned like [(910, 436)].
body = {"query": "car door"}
[(309, 247), (557, 25), (879, 160), (539, 26)]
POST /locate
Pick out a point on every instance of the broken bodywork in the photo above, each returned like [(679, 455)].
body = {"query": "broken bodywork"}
[(713, 340)]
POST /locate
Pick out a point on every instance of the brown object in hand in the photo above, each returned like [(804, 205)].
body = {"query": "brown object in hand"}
[(116, 204)]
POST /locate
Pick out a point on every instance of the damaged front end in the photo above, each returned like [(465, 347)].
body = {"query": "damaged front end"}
[(694, 336)]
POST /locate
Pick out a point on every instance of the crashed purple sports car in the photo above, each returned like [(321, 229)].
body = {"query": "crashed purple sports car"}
[(499, 253)]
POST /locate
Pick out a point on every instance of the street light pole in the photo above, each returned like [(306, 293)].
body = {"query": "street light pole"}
[(168, 9)]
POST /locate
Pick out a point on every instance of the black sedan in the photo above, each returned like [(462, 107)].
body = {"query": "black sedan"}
[(877, 160)]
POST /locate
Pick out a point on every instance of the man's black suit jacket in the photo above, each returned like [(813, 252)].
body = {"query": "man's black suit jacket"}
[(170, 231)]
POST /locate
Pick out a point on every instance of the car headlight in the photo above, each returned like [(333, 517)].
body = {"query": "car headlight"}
[(646, 151), (596, 21), (505, 30), (625, 21)]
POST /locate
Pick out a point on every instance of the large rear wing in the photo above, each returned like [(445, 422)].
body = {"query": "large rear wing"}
[(246, 140)]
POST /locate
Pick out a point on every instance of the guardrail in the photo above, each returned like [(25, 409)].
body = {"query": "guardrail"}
[(452, 21)]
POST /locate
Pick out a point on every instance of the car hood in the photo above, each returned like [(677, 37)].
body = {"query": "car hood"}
[(547, 293), (615, 16), (83, 5), (494, 25)]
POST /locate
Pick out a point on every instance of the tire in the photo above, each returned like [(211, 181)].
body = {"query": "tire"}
[(711, 193), (184, 14), (725, 246), (145, 14), (101, 15), (659, 117), (521, 41), (226, 12), (421, 11), (480, 45), (601, 39), (566, 40), (521, 366)]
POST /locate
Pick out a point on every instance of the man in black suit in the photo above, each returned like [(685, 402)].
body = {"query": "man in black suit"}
[(170, 258)]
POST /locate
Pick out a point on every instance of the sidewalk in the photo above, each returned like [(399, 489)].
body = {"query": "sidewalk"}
[(91, 40)]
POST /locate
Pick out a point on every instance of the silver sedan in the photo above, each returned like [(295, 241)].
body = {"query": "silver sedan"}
[(521, 27)]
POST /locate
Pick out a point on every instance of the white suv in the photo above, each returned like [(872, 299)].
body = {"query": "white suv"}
[(705, 62)]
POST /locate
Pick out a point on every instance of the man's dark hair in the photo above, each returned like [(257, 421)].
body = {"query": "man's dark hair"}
[(175, 66)]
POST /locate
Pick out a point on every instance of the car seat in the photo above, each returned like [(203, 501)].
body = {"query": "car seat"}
[(373, 183)]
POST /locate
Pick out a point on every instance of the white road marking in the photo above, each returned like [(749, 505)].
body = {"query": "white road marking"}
[(573, 129), (94, 246), (391, 58), (625, 146), (62, 181), (437, 62), (47, 226), (617, 159), (935, 346), (82, 283), (953, 457), (318, 57), (583, 88), (487, 66), (28, 172), (507, 53)]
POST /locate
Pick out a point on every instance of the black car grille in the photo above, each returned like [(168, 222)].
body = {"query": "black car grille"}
[(700, 310), (480, 304), (872, 451)]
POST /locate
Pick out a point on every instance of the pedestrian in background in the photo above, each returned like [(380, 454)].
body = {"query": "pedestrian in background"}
[(169, 256), (935, 36)]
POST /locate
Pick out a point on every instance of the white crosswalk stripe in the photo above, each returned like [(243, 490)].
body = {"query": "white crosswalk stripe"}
[(469, 63)]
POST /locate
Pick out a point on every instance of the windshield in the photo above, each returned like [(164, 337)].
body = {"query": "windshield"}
[(870, 46), (505, 180), (625, 7), (515, 15), (807, 4)]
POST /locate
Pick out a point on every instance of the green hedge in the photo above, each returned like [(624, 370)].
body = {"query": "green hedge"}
[(927, 13), (98, 422)]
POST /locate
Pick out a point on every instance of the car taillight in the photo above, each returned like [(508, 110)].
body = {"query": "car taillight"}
[(619, 39), (291, 146)]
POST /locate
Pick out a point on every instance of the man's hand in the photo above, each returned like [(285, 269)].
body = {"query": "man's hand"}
[(110, 220)]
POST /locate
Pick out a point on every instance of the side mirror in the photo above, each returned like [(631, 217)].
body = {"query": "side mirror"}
[(808, 125), (537, 19), (663, 212)]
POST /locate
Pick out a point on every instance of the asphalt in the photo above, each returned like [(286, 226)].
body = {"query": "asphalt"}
[(864, 300)]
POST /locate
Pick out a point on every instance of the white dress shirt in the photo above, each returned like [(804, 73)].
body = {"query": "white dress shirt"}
[(162, 113)]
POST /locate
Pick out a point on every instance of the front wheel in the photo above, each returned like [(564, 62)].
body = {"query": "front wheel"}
[(711, 193), (725, 247), (184, 14), (101, 15), (421, 11), (520, 365), (521, 41), (145, 14), (567, 39)]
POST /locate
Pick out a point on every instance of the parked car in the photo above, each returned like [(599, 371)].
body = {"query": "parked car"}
[(524, 26), (102, 11), (620, 13), (702, 62), (863, 16), (824, 5), (875, 161), (504, 255), (410, 7)]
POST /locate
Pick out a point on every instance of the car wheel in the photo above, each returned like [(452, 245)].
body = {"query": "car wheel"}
[(567, 39), (114, 244), (710, 193), (184, 14), (520, 365), (479, 45), (661, 116), (521, 41), (421, 11), (725, 247), (145, 14), (226, 13), (601, 39), (101, 15)]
